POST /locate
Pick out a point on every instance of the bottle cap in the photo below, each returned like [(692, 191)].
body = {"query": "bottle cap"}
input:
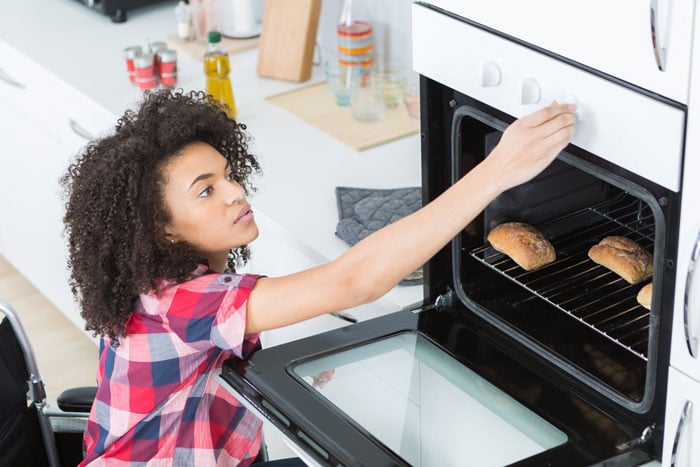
[(214, 37)]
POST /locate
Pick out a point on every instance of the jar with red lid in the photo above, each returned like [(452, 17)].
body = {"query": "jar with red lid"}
[(145, 71), (130, 53), (167, 71), (154, 47)]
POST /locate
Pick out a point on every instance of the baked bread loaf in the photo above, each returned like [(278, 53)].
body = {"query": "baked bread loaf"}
[(644, 296), (623, 256), (523, 243)]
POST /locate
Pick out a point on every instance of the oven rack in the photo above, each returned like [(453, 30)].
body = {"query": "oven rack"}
[(581, 288)]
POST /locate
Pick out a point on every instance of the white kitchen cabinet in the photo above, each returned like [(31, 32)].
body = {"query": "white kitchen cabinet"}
[(685, 344), (682, 424), (45, 124), (614, 36)]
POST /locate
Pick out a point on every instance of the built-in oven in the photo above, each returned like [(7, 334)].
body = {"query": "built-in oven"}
[(502, 366)]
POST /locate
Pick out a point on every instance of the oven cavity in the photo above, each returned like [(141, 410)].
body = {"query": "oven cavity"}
[(581, 315), (586, 291)]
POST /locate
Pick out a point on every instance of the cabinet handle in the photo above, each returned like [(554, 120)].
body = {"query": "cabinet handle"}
[(659, 31), (690, 311), (344, 317), (79, 130), (10, 80), (686, 416)]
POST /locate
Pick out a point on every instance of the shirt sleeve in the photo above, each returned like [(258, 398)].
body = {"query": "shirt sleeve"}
[(212, 309)]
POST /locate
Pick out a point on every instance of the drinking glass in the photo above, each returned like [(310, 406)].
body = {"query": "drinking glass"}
[(366, 97), (411, 98), (339, 80), (391, 78)]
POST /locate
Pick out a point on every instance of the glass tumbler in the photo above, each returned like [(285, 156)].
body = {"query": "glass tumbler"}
[(339, 79), (366, 97), (392, 80)]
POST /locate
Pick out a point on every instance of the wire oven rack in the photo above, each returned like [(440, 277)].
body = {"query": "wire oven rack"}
[(588, 292)]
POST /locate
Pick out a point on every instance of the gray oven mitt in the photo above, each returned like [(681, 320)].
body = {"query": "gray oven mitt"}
[(362, 211)]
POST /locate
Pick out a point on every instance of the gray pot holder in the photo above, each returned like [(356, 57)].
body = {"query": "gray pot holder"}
[(364, 210)]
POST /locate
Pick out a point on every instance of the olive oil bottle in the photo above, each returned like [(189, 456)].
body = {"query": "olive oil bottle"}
[(217, 69)]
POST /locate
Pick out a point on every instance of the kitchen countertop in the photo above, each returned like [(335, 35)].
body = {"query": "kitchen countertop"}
[(84, 49)]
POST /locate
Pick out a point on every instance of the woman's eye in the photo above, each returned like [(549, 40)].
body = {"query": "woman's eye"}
[(205, 192)]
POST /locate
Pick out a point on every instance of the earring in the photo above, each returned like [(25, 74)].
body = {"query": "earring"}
[(172, 240)]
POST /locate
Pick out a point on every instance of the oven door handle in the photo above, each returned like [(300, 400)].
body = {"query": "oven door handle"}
[(690, 307), (659, 10), (686, 417)]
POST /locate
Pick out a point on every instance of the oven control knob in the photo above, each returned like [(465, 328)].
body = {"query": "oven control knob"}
[(571, 99), (530, 92), (490, 74)]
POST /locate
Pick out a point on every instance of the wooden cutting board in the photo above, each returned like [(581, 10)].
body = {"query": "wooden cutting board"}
[(288, 38)]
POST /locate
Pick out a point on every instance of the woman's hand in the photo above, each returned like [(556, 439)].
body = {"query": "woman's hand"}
[(322, 378), (531, 143)]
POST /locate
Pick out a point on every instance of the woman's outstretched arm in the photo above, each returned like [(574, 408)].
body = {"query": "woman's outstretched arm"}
[(373, 266)]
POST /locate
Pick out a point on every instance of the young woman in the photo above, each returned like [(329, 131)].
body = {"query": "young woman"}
[(156, 214)]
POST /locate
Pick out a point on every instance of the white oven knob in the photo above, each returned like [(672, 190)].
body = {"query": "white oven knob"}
[(530, 92), (490, 74), (571, 99)]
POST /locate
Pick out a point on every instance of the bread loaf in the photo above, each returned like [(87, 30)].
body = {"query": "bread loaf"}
[(623, 256), (644, 296), (523, 243)]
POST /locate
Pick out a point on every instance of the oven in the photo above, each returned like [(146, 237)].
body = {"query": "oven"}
[(502, 366)]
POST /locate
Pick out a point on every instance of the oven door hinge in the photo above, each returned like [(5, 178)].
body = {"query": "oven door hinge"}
[(646, 436), (444, 300)]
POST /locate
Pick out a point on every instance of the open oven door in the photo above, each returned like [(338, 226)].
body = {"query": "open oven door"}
[(428, 387)]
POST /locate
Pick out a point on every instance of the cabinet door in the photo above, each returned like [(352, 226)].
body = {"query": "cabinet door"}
[(682, 425), (685, 346), (31, 208), (613, 36)]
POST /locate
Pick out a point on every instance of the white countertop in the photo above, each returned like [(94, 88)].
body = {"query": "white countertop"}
[(301, 165)]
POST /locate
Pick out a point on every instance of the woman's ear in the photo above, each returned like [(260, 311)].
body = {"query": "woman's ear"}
[(170, 235)]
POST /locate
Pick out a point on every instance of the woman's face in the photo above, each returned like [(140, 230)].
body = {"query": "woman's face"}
[(208, 208)]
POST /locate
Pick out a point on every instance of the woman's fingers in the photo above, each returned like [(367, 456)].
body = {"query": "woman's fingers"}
[(531, 143), (547, 114)]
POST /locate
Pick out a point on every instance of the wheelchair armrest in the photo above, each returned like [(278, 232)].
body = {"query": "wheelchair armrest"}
[(77, 399)]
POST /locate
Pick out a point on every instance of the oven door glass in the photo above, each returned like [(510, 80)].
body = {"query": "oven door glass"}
[(425, 387), (426, 406)]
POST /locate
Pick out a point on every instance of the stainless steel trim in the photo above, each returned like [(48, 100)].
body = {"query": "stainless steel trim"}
[(657, 33), (10, 80), (691, 337), (686, 416), (79, 130)]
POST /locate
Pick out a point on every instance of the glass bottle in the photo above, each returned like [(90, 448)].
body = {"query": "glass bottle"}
[(185, 25), (355, 37), (217, 69)]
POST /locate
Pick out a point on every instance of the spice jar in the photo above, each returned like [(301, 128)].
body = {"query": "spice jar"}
[(145, 71), (155, 47), (130, 54), (167, 71)]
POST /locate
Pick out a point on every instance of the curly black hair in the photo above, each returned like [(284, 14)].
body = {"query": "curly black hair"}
[(115, 209)]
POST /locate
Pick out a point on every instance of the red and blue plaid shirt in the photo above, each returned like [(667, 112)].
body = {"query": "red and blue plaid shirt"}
[(157, 403)]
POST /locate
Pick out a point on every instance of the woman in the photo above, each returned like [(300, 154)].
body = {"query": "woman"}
[(156, 216)]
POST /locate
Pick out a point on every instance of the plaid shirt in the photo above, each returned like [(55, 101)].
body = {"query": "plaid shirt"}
[(157, 403)]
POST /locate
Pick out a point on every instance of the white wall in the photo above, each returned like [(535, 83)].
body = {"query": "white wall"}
[(391, 23)]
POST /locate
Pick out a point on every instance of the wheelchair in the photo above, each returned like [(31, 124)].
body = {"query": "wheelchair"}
[(32, 433)]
